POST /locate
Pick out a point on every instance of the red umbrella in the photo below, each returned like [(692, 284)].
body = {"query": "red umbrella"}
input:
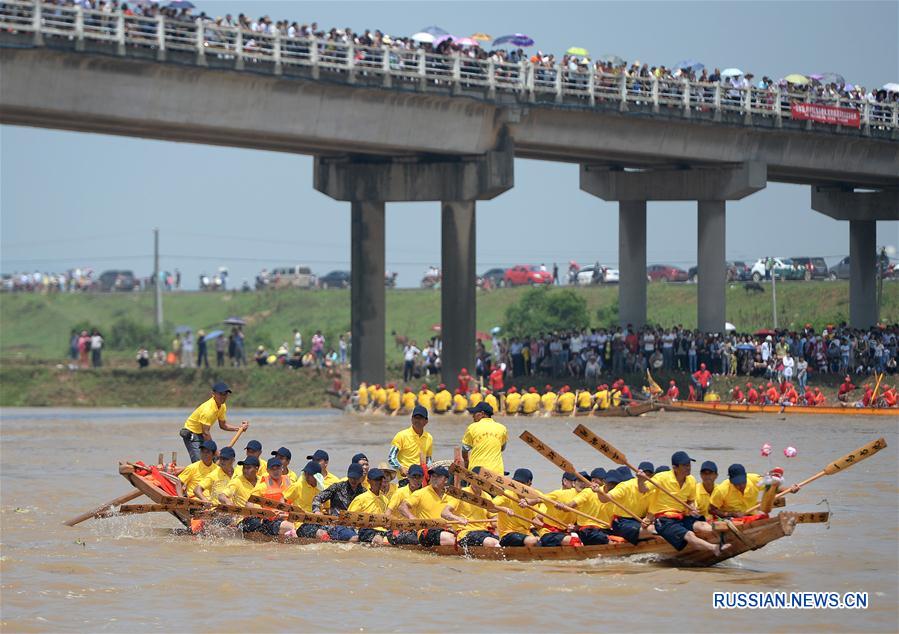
[(480, 334), (765, 332), (436, 327)]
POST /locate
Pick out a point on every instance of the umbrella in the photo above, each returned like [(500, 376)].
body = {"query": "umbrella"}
[(480, 334), (180, 4), (482, 37), (495, 330), (436, 327), (796, 79), (745, 346), (577, 50), (180, 330), (435, 31), (214, 334), (690, 64), (832, 78), (467, 41), (728, 327), (516, 39), (614, 60), (891, 87), (423, 38), (731, 72), (235, 321), (765, 332), (440, 39)]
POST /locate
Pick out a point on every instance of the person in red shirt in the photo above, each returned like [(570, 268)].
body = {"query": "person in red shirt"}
[(809, 397), (890, 398), (625, 390), (673, 393), (691, 396), (702, 378), (869, 395), (845, 387), (496, 379), (736, 395), (464, 379), (752, 395), (771, 395), (790, 395), (819, 397)]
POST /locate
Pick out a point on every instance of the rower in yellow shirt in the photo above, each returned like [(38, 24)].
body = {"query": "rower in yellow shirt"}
[(426, 397), (491, 400), (515, 531), (443, 400), (476, 533), (584, 401), (303, 491), (380, 396), (706, 486), (254, 449), (414, 476), (283, 454), (736, 495), (412, 445), (408, 400), (388, 487), (530, 402), (474, 398), (430, 503), (362, 398), (592, 501), (633, 494), (548, 399), (565, 495), (601, 398), (325, 478), (372, 390), (196, 472), (371, 501), (484, 440), (566, 400), (217, 481), (513, 401), (394, 399), (242, 484), (460, 403)]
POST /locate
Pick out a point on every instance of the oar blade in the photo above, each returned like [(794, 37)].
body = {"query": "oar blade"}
[(856, 456), (547, 452), (607, 449)]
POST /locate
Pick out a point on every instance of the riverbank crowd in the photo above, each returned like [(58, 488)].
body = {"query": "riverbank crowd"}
[(620, 505)]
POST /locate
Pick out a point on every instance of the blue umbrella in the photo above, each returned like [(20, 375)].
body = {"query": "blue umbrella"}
[(516, 39), (180, 4), (690, 64), (214, 334), (614, 60), (435, 31), (180, 330), (745, 346)]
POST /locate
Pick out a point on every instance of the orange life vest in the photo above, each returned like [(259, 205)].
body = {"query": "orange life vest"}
[(275, 491)]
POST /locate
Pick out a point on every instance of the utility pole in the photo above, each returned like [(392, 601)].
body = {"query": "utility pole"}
[(157, 286), (770, 263)]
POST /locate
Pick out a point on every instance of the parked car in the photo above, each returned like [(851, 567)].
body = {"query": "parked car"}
[(335, 279), (585, 275), (293, 277), (494, 275), (665, 273), (815, 268), (737, 271), (784, 269), (840, 270), (526, 274), (117, 281)]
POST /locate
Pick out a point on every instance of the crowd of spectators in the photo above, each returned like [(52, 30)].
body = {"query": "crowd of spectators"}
[(70, 281), (825, 87)]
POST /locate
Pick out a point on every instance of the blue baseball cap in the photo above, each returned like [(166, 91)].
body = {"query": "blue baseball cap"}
[(625, 474), (221, 388), (250, 461), (419, 410), (523, 475), (226, 453), (274, 462), (414, 470), (312, 467), (282, 452), (584, 475), (439, 471), (646, 467), (375, 474), (662, 468), (736, 473), (320, 454), (354, 470), (599, 473), (708, 465), (358, 457), (569, 476), (483, 406), (210, 445), (680, 458), (613, 476), (254, 445)]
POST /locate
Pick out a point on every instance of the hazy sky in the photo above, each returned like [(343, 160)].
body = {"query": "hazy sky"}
[(70, 199)]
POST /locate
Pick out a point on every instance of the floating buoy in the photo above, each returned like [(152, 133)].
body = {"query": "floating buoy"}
[(790, 452), (766, 449)]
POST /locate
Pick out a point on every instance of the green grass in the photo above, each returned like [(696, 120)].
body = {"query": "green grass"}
[(36, 327)]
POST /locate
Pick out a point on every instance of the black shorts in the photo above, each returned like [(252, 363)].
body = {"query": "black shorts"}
[(628, 528), (257, 524), (366, 535), (593, 536), (430, 537), (552, 539), (674, 530), (475, 538), (308, 531), (510, 540), (402, 538)]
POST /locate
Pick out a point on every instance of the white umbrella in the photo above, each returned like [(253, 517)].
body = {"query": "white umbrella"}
[(729, 327), (891, 87), (423, 38), (731, 72)]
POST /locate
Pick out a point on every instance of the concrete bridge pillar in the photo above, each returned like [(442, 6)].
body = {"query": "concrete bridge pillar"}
[(457, 182), (710, 187), (862, 209)]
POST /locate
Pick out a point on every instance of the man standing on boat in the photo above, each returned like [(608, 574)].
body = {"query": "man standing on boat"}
[(197, 426), (412, 445), (484, 440)]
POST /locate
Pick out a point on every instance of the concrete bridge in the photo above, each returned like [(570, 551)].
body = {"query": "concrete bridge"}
[(396, 125)]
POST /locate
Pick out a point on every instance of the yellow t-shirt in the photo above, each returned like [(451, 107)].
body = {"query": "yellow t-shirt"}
[(474, 398), (549, 401), (215, 483), (530, 402), (425, 504), (565, 496), (194, 473), (726, 497), (602, 400), (566, 402), (588, 502), (393, 400), (411, 446), (409, 401), (397, 498), (301, 494), (368, 502), (426, 399), (615, 399), (490, 399), (584, 400), (702, 498), (331, 479), (460, 403), (362, 397), (661, 503), (442, 401), (506, 524), (239, 489), (513, 403), (391, 489), (485, 440), (380, 397), (628, 494), (206, 415), (371, 392), (471, 512)]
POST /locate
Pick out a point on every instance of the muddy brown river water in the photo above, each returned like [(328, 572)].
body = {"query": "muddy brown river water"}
[(131, 574)]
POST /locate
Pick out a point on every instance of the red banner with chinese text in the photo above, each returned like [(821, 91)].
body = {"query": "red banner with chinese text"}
[(826, 114)]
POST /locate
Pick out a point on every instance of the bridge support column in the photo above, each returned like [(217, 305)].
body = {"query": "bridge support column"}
[(367, 299), (862, 210), (632, 262), (711, 187), (456, 181)]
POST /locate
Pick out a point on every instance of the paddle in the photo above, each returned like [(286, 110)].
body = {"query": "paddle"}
[(376, 520), (874, 393), (557, 459), (842, 464), (487, 505), (128, 509), (236, 436), (619, 458), (100, 510)]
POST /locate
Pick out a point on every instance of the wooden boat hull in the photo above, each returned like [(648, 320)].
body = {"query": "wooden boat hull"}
[(635, 409), (741, 408)]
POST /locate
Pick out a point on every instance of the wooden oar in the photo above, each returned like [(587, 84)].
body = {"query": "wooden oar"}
[(236, 436), (130, 509), (525, 490), (836, 466), (559, 460), (617, 457), (487, 505), (376, 520), (874, 393), (100, 510)]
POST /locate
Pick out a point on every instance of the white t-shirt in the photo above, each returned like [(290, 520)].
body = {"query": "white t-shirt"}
[(410, 352), (96, 342)]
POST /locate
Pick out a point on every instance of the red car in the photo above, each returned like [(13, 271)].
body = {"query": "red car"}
[(665, 273), (524, 274)]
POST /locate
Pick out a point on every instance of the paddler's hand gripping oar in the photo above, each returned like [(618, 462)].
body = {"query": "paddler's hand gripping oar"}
[(487, 505), (559, 460), (617, 457), (240, 430), (838, 465)]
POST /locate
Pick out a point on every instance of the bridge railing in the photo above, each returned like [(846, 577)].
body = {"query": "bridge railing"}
[(578, 85)]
